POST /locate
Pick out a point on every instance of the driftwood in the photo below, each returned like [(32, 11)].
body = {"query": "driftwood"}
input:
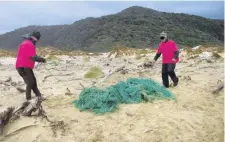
[(25, 109), (9, 82), (119, 69), (21, 90), (218, 88), (5, 117), (146, 65), (55, 76), (68, 93), (82, 85), (124, 71)]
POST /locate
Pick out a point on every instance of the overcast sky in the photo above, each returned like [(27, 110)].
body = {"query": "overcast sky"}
[(20, 14)]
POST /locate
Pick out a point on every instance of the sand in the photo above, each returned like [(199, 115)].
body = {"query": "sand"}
[(196, 116)]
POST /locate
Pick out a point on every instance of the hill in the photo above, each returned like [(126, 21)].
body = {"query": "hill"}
[(133, 27)]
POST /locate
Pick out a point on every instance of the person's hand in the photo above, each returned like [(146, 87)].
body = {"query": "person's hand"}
[(153, 62), (43, 60), (174, 60)]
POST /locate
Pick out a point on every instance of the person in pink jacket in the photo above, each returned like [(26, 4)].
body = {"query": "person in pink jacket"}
[(25, 61), (170, 53)]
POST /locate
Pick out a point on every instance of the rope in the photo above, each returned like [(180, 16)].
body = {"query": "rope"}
[(51, 73), (48, 70)]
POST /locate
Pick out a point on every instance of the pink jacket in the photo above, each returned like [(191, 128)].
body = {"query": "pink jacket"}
[(168, 50), (25, 52)]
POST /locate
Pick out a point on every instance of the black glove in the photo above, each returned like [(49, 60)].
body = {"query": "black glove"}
[(38, 59), (43, 60)]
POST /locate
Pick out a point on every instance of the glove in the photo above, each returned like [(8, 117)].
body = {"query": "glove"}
[(153, 62), (174, 60), (43, 60)]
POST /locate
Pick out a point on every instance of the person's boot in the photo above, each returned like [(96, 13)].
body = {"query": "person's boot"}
[(166, 84), (28, 98), (41, 98), (175, 81)]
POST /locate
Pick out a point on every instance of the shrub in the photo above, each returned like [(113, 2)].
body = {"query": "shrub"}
[(94, 72)]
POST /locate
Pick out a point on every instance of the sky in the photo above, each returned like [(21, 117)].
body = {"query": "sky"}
[(19, 14)]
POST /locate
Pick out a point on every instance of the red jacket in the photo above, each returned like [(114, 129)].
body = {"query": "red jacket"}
[(25, 52), (168, 49)]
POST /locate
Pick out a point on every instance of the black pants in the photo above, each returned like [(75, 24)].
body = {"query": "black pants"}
[(30, 80), (168, 70)]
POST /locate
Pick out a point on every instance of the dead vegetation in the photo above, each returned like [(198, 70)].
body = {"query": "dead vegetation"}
[(25, 109), (119, 51), (85, 58), (52, 57), (4, 53), (216, 55), (138, 56), (194, 53), (28, 108), (44, 51)]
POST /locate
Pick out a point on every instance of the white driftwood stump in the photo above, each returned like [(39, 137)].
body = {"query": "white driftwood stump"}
[(5, 117), (25, 109)]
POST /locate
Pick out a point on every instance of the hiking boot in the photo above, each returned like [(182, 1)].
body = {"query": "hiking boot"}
[(175, 83), (42, 98), (28, 98)]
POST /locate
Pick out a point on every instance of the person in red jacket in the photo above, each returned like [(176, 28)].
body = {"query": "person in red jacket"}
[(170, 53), (25, 61)]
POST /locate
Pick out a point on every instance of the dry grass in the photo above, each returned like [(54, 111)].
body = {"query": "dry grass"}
[(138, 56), (85, 59), (146, 60), (145, 51), (194, 52), (4, 53), (52, 57), (44, 51), (122, 51), (219, 49), (216, 55)]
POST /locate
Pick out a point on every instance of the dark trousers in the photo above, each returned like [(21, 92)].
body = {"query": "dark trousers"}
[(30, 80), (168, 70)]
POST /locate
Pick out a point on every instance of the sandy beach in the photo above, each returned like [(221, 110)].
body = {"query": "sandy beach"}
[(196, 116)]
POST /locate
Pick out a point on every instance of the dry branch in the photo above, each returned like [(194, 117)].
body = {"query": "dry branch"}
[(218, 88), (25, 109), (5, 117), (56, 75)]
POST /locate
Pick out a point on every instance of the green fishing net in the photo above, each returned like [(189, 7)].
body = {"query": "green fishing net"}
[(134, 90)]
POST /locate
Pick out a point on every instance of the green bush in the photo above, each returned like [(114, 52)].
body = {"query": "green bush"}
[(94, 72)]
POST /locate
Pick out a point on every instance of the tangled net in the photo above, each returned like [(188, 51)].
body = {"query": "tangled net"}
[(134, 90)]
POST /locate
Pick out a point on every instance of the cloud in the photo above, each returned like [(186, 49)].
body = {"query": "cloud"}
[(20, 14)]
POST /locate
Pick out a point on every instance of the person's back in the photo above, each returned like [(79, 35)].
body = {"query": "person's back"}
[(25, 53)]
